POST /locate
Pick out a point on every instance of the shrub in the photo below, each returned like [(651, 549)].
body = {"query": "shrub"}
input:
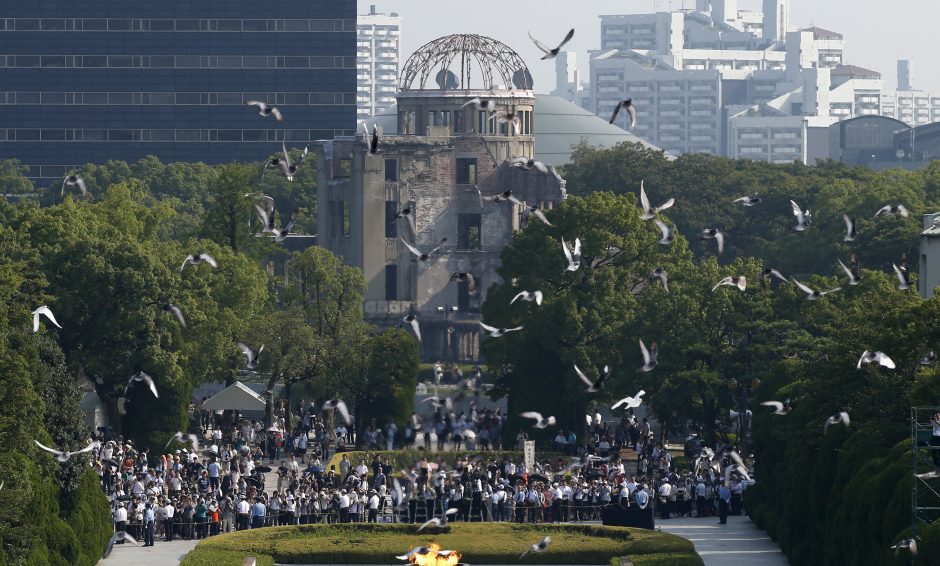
[(480, 543)]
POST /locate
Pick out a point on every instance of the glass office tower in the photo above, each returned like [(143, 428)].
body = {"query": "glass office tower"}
[(92, 80)]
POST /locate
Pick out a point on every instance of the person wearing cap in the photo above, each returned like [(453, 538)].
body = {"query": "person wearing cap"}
[(168, 513), (258, 512), (243, 511), (201, 517), (149, 519)]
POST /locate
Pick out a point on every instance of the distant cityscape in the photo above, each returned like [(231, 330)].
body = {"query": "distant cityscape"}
[(719, 80)]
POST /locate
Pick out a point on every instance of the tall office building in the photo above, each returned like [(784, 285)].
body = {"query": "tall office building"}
[(378, 41), (92, 80)]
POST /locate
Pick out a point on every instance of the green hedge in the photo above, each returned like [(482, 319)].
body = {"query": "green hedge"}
[(480, 543)]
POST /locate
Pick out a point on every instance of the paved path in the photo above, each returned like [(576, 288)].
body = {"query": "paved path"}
[(739, 543), (161, 554)]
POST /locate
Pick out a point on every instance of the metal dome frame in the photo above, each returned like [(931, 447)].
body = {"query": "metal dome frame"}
[(492, 58)]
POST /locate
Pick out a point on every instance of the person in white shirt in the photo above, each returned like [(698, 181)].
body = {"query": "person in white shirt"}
[(665, 491), (168, 512), (373, 504), (120, 519), (343, 507), (244, 510)]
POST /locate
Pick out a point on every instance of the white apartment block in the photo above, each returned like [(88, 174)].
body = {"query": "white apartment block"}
[(681, 110), (713, 78), (907, 104), (378, 42)]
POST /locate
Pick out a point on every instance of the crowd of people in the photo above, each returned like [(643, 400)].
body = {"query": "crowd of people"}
[(244, 476)]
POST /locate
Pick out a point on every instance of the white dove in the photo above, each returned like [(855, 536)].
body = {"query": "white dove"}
[(630, 402), (44, 311), (527, 296), (650, 212), (739, 281), (875, 357), (541, 422), (573, 257)]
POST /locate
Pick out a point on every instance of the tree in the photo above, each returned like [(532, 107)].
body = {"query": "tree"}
[(585, 313), (229, 208), (387, 392)]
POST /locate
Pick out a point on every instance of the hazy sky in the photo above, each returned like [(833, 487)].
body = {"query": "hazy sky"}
[(876, 34)]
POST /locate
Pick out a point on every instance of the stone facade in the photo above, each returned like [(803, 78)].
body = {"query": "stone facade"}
[(443, 153)]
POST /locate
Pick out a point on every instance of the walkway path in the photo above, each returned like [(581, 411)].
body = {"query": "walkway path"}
[(739, 543), (161, 554)]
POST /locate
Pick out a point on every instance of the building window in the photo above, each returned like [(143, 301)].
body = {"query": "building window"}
[(391, 170), (391, 282), (458, 122), (468, 232), (466, 170), (391, 223), (345, 168)]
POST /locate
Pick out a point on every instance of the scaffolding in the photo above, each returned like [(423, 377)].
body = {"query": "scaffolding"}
[(925, 499)]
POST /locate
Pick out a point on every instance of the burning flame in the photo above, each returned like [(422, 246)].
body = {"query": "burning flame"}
[(436, 557)]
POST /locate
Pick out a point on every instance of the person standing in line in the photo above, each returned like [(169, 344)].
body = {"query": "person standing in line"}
[(148, 525), (724, 499), (258, 511), (120, 519), (244, 509), (168, 512), (373, 506)]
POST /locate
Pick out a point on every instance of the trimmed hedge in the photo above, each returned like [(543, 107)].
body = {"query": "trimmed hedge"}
[(480, 543)]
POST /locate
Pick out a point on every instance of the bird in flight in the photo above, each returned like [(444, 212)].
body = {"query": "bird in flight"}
[(175, 310), (854, 273), (419, 550), (803, 217), (74, 181), (412, 320), (527, 296), (893, 210), (903, 275), (749, 200), (119, 535), (535, 211), (551, 53), (198, 259), (527, 164), (649, 356), (43, 311), (251, 356), (573, 257), (593, 386), (850, 232), (875, 357), (493, 332), (650, 212), (812, 294), (438, 522), (540, 421), (137, 378), (340, 406), (540, 546), (714, 234), (372, 142), (190, 439), (769, 272), (739, 281), (264, 110), (418, 254), (779, 408), (908, 544), (63, 456), (630, 402), (467, 278), (630, 108), (668, 232), (841, 417)]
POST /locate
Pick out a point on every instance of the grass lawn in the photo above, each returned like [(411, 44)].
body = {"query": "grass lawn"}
[(479, 543)]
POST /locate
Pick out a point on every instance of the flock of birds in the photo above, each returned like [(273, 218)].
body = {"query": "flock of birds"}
[(573, 257)]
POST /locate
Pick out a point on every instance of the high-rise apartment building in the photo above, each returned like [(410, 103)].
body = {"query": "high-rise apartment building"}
[(378, 43), (92, 80)]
